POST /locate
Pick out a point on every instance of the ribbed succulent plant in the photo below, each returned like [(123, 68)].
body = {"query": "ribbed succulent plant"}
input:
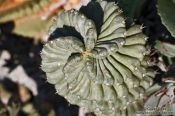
[(104, 71)]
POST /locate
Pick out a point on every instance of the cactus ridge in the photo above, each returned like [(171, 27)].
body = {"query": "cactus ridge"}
[(104, 72)]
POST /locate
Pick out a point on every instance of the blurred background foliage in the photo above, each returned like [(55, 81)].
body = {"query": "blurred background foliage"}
[(23, 29), (165, 9)]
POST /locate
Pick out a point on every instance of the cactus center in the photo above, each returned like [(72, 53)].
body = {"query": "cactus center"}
[(87, 53)]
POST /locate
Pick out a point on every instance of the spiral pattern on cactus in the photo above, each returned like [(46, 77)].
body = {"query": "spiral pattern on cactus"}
[(105, 72)]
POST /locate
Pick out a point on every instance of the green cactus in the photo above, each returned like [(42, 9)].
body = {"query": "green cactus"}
[(106, 72), (165, 9)]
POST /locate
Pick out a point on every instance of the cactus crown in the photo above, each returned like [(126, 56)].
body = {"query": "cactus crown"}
[(103, 71)]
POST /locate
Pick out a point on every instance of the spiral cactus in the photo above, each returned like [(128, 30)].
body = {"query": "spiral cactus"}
[(106, 72)]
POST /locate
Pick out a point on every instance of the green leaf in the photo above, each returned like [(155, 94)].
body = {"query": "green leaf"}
[(27, 8), (166, 10), (31, 27), (166, 49), (1, 1)]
